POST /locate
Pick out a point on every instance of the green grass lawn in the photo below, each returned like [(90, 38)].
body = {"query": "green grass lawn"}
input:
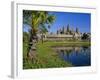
[(46, 57)]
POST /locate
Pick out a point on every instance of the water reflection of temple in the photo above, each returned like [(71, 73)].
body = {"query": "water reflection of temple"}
[(77, 56), (69, 50)]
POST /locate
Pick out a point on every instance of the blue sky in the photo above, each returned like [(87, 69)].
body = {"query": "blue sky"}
[(79, 20)]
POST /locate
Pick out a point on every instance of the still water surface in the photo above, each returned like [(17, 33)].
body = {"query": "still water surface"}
[(77, 56)]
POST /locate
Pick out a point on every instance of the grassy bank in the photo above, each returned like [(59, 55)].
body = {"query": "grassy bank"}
[(68, 43), (46, 57)]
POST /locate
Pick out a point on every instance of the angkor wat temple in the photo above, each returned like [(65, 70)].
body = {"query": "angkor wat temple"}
[(65, 33), (68, 31)]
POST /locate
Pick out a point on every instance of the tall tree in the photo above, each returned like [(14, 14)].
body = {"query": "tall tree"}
[(37, 20), (46, 20)]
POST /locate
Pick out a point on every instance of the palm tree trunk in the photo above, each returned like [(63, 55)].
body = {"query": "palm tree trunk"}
[(42, 38), (29, 43)]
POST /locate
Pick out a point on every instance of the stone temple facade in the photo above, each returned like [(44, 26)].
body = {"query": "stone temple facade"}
[(65, 33)]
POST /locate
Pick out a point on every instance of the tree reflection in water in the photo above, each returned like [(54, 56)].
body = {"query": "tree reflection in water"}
[(78, 56)]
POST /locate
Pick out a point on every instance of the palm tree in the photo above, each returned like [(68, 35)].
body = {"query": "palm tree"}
[(38, 19), (46, 21)]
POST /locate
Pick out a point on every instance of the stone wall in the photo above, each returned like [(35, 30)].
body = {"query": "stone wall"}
[(60, 37)]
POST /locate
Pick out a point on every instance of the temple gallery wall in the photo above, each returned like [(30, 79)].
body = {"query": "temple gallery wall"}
[(64, 33)]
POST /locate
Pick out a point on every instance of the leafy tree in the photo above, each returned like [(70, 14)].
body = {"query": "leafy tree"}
[(85, 36), (25, 37), (37, 20), (46, 20)]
